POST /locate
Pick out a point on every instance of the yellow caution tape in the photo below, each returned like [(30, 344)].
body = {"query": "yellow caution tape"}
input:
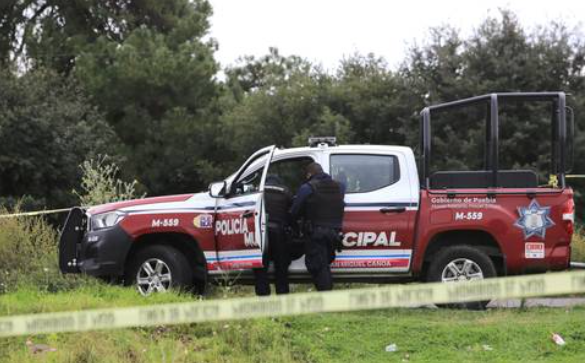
[(295, 304), (37, 213)]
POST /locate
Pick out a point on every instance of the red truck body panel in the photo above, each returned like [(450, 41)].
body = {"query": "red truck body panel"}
[(500, 215), (371, 236), (104, 208)]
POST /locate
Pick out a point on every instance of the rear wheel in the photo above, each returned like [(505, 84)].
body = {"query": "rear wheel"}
[(461, 263), (157, 269)]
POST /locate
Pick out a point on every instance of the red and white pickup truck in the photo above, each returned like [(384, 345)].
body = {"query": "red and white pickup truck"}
[(399, 223)]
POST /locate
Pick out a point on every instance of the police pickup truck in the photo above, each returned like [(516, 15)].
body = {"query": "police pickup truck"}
[(401, 222)]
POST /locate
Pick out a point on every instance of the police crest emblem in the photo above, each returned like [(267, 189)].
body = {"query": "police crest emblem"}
[(534, 220), (203, 221)]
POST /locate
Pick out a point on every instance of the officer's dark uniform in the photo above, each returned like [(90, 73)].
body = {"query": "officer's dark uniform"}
[(320, 201), (278, 200)]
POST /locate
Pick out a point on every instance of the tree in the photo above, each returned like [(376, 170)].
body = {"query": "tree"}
[(368, 94), (145, 66), (47, 129), (277, 100), (158, 90), (52, 33), (499, 57)]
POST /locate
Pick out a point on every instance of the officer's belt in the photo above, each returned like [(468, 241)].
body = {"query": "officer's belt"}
[(275, 224)]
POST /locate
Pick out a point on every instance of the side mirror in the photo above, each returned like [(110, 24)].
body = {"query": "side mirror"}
[(217, 189)]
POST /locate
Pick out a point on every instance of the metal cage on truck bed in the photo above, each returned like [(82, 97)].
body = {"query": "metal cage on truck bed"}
[(492, 176)]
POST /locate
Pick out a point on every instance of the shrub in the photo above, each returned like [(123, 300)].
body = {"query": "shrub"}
[(100, 183), (28, 255), (29, 245)]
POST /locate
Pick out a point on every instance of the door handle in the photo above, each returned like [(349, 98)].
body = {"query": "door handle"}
[(248, 214), (393, 210)]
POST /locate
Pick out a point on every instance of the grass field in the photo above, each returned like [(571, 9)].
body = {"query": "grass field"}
[(421, 335)]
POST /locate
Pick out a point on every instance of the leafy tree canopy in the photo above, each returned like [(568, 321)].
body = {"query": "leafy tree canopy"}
[(146, 68), (47, 129)]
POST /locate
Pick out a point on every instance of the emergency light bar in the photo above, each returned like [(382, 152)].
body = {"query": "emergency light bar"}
[(325, 140)]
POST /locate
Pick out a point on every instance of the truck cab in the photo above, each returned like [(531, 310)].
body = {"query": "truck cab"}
[(382, 198)]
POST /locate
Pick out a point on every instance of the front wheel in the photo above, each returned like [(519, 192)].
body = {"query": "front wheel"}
[(461, 263), (158, 269)]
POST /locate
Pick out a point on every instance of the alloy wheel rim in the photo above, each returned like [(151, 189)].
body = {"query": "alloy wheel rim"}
[(154, 275), (461, 269)]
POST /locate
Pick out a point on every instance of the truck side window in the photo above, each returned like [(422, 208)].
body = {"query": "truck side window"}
[(249, 184), (363, 173), (292, 171), (250, 180)]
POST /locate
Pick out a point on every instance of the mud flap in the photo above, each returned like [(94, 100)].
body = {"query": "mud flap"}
[(71, 237)]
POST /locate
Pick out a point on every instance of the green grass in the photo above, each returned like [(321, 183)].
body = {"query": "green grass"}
[(578, 245), (421, 335)]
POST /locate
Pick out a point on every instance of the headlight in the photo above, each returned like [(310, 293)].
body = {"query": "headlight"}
[(106, 220)]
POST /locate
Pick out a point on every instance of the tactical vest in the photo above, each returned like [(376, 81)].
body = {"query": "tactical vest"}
[(325, 205), (277, 203)]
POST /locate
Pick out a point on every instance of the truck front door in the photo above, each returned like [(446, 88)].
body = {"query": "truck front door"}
[(240, 218)]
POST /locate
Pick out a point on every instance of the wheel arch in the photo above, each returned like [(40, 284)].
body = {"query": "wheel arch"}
[(184, 243), (476, 238)]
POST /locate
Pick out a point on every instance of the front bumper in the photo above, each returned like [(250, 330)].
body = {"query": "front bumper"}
[(96, 253)]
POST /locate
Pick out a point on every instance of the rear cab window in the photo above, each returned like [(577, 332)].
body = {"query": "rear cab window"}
[(374, 176), (364, 173)]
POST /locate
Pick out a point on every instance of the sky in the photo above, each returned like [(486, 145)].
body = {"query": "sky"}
[(326, 31)]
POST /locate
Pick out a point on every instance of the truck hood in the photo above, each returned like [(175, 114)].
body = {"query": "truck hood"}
[(153, 202)]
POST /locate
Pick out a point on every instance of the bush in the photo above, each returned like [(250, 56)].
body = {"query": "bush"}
[(29, 245), (28, 255), (48, 126), (99, 183)]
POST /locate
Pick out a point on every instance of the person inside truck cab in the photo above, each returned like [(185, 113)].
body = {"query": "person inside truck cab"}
[(278, 200), (319, 202)]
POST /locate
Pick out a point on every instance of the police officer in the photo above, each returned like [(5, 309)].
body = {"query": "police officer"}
[(278, 199), (320, 202)]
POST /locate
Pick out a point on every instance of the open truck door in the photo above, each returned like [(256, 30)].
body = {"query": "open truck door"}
[(240, 219)]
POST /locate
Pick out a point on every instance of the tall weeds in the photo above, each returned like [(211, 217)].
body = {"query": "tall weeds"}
[(100, 183), (29, 245), (28, 255), (578, 245)]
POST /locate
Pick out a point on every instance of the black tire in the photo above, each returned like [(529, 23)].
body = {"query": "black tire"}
[(456, 254), (173, 262)]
